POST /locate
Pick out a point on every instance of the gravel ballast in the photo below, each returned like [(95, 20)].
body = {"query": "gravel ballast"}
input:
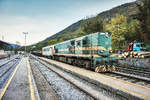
[(44, 89), (64, 89)]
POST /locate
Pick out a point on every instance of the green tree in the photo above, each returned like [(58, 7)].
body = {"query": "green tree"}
[(133, 31), (11, 48), (81, 34), (51, 42), (118, 28), (1, 45), (93, 25), (144, 18)]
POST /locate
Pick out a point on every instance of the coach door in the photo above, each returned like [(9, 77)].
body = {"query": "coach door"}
[(52, 51)]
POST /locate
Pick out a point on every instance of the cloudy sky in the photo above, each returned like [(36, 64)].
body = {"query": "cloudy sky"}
[(43, 18)]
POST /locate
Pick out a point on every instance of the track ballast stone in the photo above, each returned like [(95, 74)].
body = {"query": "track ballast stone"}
[(64, 89)]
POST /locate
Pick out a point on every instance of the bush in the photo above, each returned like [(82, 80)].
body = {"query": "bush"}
[(148, 47)]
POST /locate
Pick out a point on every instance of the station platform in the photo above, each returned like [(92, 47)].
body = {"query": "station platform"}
[(20, 85), (131, 90)]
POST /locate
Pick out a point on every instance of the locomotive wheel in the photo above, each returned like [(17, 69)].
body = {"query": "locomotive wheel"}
[(100, 69), (109, 68), (103, 68), (113, 68), (97, 69), (87, 65)]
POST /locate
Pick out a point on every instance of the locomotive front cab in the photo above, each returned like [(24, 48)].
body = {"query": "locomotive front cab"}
[(104, 44), (104, 62), (98, 46)]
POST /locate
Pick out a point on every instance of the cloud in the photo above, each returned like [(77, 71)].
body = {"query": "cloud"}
[(39, 28), (45, 17)]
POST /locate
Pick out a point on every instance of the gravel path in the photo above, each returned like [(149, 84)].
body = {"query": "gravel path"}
[(63, 88)]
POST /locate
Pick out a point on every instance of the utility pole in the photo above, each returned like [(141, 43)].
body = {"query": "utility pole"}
[(25, 33)]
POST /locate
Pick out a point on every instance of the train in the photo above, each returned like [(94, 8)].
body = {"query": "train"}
[(92, 51)]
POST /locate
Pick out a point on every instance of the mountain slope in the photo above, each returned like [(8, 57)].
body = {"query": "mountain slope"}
[(7, 46), (75, 30), (127, 9)]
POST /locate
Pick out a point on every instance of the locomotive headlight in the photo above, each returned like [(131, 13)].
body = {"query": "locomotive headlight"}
[(102, 50), (110, 49)]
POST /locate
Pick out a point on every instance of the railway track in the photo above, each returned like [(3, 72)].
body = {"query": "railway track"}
[(6, 70), (125, 78), (5, 62), (2, 57), (143, 72), (45, 91), (96, 86), (7, 66), (143, 81), (60, 74), (87, 86)]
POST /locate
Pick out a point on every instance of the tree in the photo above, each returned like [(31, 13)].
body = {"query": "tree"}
[(93, 25), (1, 45), (118, 28), (133, 31), (144, 18), (51, 42)]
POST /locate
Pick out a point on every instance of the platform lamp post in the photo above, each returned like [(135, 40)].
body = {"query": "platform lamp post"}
[(25, 33)]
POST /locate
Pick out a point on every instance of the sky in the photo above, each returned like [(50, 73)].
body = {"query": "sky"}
[(43, 18)]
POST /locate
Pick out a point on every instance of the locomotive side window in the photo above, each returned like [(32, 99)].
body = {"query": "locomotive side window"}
[(73, 43), (78, 43), (84, 42)]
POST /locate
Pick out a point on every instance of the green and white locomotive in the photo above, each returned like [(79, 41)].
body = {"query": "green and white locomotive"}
[(91, 51)]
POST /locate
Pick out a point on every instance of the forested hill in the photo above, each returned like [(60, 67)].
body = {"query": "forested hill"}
[(127, 9), (8, 46), (76, 29)]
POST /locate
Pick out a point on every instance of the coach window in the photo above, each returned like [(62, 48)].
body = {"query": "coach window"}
[(56, 50), (84, 42), (73, 43), (79, 43)]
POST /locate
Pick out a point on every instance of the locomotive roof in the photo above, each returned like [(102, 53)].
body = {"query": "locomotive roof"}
[(48, 46), (78, 38)]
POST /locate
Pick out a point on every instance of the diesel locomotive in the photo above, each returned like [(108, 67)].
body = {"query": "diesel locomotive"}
[(91, 51)]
